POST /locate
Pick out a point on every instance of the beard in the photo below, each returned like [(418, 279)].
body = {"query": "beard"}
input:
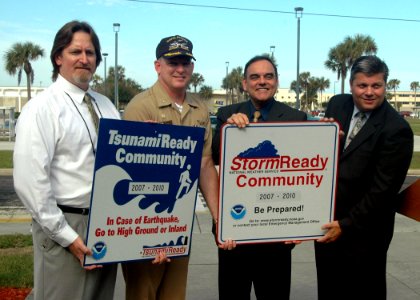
[(83, 77)]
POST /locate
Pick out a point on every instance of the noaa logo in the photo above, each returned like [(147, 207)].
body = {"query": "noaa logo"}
[(98, 250), (238, 211)]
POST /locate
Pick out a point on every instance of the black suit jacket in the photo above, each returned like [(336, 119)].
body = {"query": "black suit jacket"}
[(278, 112), (370, 173)]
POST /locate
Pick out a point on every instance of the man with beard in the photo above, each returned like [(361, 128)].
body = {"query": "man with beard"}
[(54, 156)]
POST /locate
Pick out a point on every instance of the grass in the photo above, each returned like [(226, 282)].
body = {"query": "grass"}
[(16, 261), (15, 241), (415, 161), (415, 125), (6, 159), (16, 253), (6, 156)]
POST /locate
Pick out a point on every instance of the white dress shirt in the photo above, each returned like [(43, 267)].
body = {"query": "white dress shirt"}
[(54, 157)]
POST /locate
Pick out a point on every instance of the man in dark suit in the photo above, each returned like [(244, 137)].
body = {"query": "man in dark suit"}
[(267, 266), (351, 256)]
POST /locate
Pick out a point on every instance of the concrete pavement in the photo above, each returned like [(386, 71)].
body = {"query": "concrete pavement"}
[(4, 145), (403, 269)]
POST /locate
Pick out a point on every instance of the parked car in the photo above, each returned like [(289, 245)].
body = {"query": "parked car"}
[(312, 118), (213, 121), (405, 113)]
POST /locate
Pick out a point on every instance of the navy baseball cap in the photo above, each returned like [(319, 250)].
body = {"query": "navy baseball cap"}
[(173, 46)]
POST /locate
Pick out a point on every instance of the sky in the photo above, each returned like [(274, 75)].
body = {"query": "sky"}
[(234, 33)]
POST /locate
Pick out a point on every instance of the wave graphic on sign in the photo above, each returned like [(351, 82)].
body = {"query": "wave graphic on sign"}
[(121, 194), (182, 240), (111, 180), (263, 149)]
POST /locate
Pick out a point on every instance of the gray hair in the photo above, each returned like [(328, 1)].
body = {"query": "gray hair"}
[(369, 65)]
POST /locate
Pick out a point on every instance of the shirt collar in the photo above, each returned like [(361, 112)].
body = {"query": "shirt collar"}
[(164, 99), (76, 93), (265, 110), (356, 110)]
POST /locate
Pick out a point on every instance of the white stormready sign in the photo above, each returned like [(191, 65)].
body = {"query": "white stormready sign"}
[(277, 181)]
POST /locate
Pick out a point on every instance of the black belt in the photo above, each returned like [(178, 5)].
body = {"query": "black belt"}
[(74, 210)]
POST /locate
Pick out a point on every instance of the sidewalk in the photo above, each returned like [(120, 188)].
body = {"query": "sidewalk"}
[(403, 271)]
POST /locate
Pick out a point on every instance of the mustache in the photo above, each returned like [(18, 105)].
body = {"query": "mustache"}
[(84, 67)]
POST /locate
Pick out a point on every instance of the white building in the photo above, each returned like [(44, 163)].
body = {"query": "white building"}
[(283, 95), (405, 100), (17, 97)]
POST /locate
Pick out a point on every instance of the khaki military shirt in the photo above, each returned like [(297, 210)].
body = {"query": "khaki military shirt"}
[(155, 104)]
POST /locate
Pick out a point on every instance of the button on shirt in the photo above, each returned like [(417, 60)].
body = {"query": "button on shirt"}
[(53, 156)]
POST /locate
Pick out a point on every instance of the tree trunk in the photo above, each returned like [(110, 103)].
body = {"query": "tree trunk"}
[(28, 71), (395, 100), (342, 84), (28, 85)]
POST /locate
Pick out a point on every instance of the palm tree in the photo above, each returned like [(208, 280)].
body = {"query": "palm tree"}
[(236, 79), (19, 58), (206, 92), (293, 87), (337, 63), (196, 80), (323, 84), (304, 82), (394, 84), (96, 82), (341, 57), (358, 46), (414, 86), (233, 84)]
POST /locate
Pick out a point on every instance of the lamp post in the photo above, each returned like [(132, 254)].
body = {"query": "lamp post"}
[(116, 30), (105, 56), (227, 72), (298, 14), (272, 48)]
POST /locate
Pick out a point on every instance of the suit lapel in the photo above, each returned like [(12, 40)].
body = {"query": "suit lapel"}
[(245, 108), (367, 130), (275, 114), (344, 115)]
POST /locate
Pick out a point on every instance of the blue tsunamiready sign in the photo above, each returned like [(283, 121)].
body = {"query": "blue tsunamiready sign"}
[(144, 190)]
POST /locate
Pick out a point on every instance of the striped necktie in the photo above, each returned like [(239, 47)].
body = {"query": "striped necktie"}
[(88, 100), (359, 121), (257, 115)]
